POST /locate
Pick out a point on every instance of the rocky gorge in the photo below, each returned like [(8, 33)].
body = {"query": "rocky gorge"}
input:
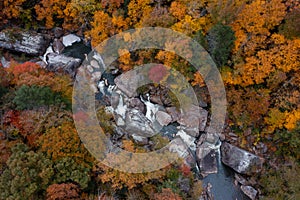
[(140, 115)]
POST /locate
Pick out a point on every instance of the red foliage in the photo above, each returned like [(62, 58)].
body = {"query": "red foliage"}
[(64, 191), (186, 170), (29, 67), (12, 117)]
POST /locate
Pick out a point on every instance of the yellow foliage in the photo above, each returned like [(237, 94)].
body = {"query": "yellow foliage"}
[(74, 13), (12, 9), (198, 80), (138, 10), (178, 10), (283, 56), (125, 62), (47, 8), (291, 119), (275, 119), (254, 22), (105, 26), (63, 141), (189, 25), (120, 180)]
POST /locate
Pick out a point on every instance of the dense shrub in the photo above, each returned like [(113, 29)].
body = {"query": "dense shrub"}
[(32, 97)]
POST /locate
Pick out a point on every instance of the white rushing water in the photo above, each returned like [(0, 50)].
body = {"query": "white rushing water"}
[(48, 50), (151, 108)]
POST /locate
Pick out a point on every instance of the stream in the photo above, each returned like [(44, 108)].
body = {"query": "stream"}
[(223, 187)]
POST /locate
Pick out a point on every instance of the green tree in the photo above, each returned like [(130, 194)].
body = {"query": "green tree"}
[(282, 183), (67, 170), (220, 40), (27, 175), (31, 97)]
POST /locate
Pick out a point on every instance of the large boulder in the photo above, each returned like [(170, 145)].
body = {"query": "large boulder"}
[(128, 83), (58, 62), (177, 145), (194, 117), (23, 41), (163, 118), (240, 160), (206, 156), (136, 123)]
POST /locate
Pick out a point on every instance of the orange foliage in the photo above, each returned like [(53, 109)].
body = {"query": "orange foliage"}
[(120, 180), (104, 26), (247, 107), (256, 69), (178, 9), (64, 191), (66, 142), (12, 9), (254, 22), (166, 194), (198, 80), (30, 74), (48, 9), (139, 10), (72, 12)]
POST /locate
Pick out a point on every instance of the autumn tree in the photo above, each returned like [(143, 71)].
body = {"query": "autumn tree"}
[(66, 142), (166, 194), (27, 174), (70, 13), (104, 26), (31, 74), (63, 191), (254, 24), (281, 183)]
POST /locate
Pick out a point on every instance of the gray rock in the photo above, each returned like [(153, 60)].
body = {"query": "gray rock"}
[(175, 114), (136, 123), (128, 83), (140, 139), (206, 159), (58, 62), (118, 133), (58, 46), (249, 191), (138, 104), (195, 117), (177, 145), (207, 193), (188, 139), (5, 63), (23, 41), (184, 184), (240, 179), (163, 118), (68, 40), (58, 32), (240, 160)]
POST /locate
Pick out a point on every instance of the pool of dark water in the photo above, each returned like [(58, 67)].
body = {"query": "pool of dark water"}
[(223, 187)]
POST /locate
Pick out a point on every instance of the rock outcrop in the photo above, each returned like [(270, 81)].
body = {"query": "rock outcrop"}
[(23, 41), (240, 160)]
